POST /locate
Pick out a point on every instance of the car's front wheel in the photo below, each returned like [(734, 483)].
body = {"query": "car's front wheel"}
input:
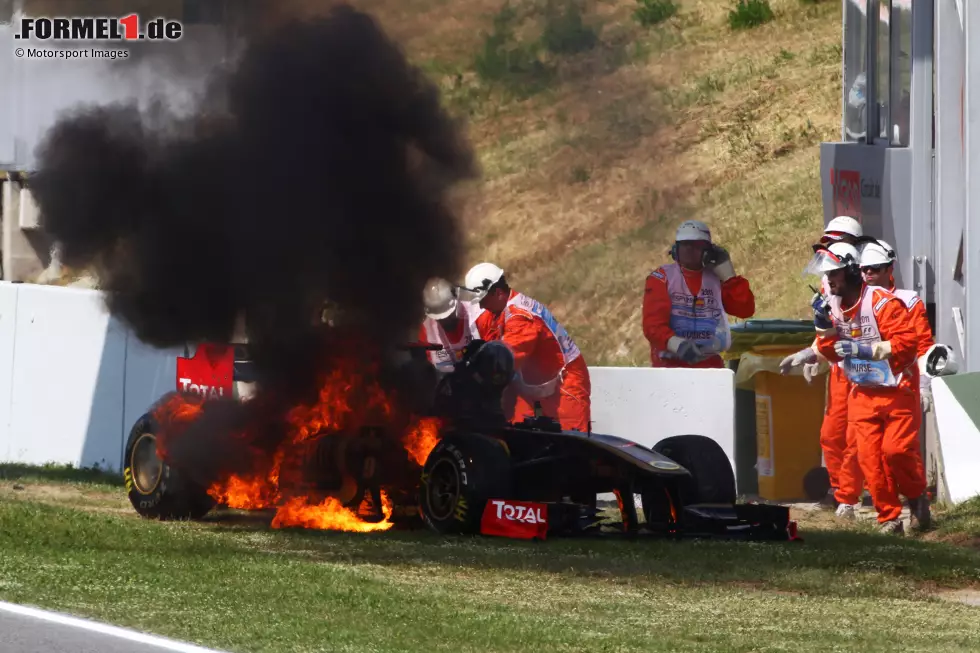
[(712, 478), (461, 474)]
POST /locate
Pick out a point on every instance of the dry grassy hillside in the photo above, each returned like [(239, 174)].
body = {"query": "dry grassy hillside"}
[(592, 158)]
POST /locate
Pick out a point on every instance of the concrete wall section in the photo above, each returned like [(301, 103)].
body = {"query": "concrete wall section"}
[(67, 379), (960, 443), (647, 405), (73, 381), (8, 333)]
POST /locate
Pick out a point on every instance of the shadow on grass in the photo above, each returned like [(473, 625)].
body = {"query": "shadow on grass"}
[(828, 562), (59, 474)]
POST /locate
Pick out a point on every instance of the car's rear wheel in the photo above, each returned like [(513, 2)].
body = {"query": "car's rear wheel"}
[(713, 480), (461, 474), (156, 489)]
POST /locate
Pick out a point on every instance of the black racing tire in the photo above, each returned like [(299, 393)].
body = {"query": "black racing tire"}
[(713, 477), (157, 490), (461, 474)]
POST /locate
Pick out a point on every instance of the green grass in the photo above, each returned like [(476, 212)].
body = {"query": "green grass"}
[(89, 476), (234, 584)]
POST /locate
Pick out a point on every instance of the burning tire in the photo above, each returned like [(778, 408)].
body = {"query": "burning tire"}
[(713, 480), (460, 475), (155, 489)]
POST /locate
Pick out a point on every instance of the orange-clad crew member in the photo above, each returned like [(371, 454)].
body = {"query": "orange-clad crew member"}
[(833, 430), (686, 303), (877, 259), (447, 322), (549, 367), (878, 267), (869, 332)]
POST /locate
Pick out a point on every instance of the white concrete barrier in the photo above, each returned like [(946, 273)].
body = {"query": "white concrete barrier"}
[(960, 443), (647, 405), (73, 381)]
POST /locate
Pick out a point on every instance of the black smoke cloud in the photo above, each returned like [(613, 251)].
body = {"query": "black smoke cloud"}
[(318, 170)]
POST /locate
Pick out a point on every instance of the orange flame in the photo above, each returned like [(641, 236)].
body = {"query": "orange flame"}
[(349, 398), (421, 440), (330, 514)]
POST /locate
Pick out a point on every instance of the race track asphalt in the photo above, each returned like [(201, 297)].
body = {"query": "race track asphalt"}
[(28, 630)]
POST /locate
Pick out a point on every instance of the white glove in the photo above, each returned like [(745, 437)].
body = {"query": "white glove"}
[(810, 370), (684, 349), (801, 357), (723, 267), (925, 393), (925, 398)]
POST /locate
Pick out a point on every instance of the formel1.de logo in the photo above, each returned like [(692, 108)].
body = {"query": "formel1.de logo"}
[(102, 28)]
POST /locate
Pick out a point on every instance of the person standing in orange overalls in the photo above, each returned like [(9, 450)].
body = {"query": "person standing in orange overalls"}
[(833, 430), (549, 366), (686, 303), (869, 332), (877, 259)]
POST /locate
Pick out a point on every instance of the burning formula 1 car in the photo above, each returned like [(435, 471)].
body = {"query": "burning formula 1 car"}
[(471, 471)]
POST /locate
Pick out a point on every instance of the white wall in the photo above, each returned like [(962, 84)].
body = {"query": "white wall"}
[(960, 443), (73, 381), (647, 405), (72, 378)]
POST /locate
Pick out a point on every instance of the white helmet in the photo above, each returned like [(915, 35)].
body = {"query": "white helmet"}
[(843, 224), (439, 297), (692, 230), (835, 257), (877, 253), (479, 279)]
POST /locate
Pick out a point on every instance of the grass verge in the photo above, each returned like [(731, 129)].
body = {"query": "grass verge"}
[(234, 584)]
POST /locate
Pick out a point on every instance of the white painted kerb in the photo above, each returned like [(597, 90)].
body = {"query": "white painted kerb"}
[(104, 629)]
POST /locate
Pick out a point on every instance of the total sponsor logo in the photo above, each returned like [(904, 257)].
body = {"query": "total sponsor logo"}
[(529, 514), (208, 391), (98, 28), (522, 520)]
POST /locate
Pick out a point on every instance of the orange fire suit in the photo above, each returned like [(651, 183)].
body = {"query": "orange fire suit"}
[(543, 350), (736, 299), (850, 474), (883, 416), (833, 430)]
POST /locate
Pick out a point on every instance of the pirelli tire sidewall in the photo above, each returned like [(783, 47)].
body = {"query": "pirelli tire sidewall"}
[(479, 466), (170, 497)]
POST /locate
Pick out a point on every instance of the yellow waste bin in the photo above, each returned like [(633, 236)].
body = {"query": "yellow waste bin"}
[(788, 416)]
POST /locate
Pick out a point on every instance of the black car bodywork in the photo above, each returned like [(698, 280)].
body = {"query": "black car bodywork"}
[(686, 483)]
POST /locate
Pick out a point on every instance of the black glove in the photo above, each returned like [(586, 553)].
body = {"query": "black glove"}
[(821, 312)]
